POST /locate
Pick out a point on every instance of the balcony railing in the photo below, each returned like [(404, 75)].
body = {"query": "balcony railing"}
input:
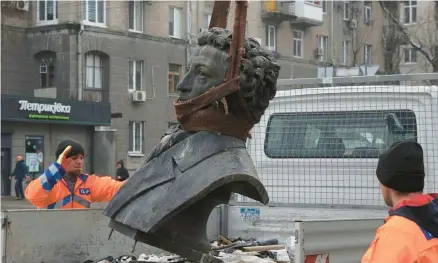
[(278, 11), (93, 95), (301, 13)]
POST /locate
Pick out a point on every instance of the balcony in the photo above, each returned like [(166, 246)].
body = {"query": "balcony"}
[(275, 12), (299, 13), (309, 13)]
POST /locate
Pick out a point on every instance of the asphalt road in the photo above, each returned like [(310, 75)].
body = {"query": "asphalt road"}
[(8, 203)]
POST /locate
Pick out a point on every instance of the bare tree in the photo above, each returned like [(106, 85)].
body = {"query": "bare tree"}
[(358, 33), (424, 40)]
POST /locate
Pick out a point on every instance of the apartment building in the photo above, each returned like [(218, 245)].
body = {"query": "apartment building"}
[(124, 58), (95, 59), (312, 34), (420, 19)]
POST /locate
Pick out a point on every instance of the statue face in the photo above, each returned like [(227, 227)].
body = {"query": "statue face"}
[(208, 68)]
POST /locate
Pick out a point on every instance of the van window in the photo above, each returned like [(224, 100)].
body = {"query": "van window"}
[(347, 134)]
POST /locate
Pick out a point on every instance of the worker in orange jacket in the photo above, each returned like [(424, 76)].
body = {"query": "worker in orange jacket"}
[(64, 186), (410, 232)]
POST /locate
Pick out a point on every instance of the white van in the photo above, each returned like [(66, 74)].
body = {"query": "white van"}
[(320, 146)]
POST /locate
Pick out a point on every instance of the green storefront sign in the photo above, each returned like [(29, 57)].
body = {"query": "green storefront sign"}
[(47, 110)]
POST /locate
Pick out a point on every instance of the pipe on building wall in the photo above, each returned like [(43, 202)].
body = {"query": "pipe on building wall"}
[(332, 49), (80, 61), (188, 30)]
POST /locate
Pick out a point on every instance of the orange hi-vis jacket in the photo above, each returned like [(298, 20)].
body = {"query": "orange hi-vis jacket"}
[(409, 235), (51, 191)]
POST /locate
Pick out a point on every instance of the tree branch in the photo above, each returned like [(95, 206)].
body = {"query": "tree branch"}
[(403, 30)]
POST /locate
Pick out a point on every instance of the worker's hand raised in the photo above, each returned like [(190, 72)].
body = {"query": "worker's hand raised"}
[(63, 160)]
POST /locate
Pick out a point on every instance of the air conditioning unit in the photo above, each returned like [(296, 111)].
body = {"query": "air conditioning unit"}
[(318, 52), (353, 23), (138, 96), (22, 5)]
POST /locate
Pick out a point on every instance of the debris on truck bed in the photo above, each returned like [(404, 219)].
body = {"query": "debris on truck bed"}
[(229, 251)]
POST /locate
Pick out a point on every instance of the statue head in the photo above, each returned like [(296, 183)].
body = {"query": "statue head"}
[(208, 67)]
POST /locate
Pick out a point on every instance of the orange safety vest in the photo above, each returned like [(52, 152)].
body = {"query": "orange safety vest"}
[(50, 190), (409, 235)]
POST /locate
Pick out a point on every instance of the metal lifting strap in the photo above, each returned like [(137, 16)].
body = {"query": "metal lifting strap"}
[(219, 18)]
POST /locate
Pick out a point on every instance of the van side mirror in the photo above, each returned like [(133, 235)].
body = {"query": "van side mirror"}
[(394, 125)]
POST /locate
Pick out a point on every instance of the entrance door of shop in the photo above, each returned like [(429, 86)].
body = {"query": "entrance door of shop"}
[(6, 171)]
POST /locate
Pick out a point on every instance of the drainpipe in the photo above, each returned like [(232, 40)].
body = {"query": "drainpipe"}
[(80, 61), (188, 29), (331, 34)]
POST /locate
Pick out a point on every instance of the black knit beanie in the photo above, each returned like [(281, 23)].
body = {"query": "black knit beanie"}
[(76, 148), (401, 167)]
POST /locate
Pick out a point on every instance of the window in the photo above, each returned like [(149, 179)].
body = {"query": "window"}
[(367, 54), (47, 11), (174, 77), (175, 22), (347, 134), (410, 9), (135, 75), (410, 55), (298, 43), (367, 12), (47, 73), (207, 18), (323, 44), (136, 129), (271, 36), (94, 11), (93, 77), (346, 46), (136, 16), (347, 10)]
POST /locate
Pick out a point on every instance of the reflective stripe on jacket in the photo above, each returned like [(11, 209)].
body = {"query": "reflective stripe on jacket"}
[(409, 235), (51, 191)]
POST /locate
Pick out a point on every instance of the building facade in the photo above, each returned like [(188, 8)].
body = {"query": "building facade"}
[(130, 55), (420, 18)]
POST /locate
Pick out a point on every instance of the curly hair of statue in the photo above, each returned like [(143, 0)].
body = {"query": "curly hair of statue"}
[(258, 85)]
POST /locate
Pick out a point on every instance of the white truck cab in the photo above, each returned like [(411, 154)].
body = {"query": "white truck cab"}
[(320, 146)]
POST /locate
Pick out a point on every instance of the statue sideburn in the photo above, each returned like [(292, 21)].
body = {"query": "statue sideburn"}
[(202, 161)]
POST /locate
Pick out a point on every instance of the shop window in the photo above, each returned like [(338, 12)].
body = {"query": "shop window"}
[(136, 129), (174, 77)]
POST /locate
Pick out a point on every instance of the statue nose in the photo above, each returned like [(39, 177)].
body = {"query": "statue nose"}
[(182, 86)]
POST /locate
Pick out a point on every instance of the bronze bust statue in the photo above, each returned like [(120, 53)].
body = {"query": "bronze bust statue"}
[(200, 162)]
